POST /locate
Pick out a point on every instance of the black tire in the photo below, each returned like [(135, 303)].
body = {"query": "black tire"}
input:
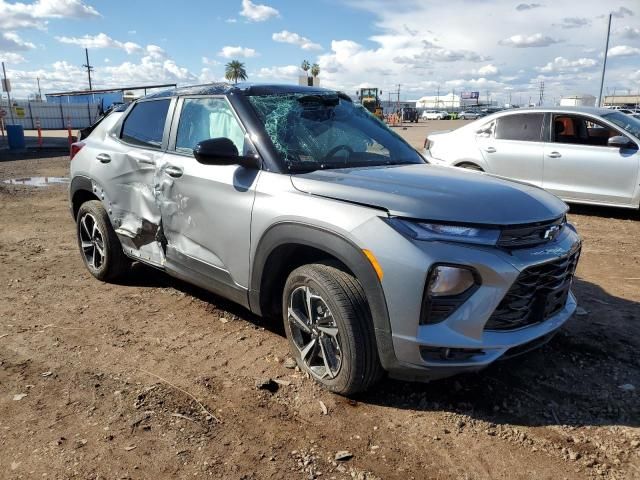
[(110, 265), (471, 166), (343, 295)]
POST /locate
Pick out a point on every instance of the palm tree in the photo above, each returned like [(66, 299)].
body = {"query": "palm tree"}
[(315, 70), (234, 71), (305, 66)]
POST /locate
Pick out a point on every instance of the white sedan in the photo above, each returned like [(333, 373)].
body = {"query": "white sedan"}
[(582, 155), (434, 115)]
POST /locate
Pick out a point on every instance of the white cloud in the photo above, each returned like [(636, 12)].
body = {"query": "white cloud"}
[(231, 20), (574, 22), (155, 52), (629, 32), (488, 70), (623, 51), (132, 32), (12, 58), (561, 64), (527, 6), (622, 12), (101, 40), (11, 42), (257, 13), (210, 61), (287, 73), (526, 41), (34, 15), (293, 38), (232, 52)]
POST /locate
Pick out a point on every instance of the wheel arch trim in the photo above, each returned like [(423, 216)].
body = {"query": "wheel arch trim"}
[(79, 183), (339, 247)]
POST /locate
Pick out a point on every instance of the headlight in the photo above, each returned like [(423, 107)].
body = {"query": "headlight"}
[(444, 232)]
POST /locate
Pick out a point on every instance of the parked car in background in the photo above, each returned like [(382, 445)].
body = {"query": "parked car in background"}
[(410, 114), (435, 115), (583, 155), (330, 223), (468, 115)]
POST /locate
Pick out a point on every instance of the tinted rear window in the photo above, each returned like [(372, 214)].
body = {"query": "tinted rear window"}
[(524, 127), (145, 124)]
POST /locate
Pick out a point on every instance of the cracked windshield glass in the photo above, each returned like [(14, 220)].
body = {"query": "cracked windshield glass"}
[(312, 132)]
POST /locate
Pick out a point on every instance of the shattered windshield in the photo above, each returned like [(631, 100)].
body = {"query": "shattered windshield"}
[(321, 131), (626, 122)]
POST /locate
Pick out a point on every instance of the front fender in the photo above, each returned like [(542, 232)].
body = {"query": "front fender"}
[(345, 251)]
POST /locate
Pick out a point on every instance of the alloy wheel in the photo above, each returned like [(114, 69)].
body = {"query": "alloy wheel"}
[(315, 333), (91, 241)]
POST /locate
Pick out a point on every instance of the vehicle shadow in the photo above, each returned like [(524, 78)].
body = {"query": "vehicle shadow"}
[(607, 212), (144, 276), (588, 374)]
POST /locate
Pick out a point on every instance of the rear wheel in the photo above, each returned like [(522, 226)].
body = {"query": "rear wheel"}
[(99, 245), (329, 328)]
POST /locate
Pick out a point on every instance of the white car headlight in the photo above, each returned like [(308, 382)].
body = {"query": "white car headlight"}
[(446, 232)]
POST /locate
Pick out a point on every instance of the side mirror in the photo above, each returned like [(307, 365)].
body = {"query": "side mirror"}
[(222, 151), (619, 141)]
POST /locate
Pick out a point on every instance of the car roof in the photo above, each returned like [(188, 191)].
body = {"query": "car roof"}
[(245, 88), (588, 110)]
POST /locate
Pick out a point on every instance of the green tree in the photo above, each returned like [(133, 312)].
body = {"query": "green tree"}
[(305, 66), (234, 71), (315, 70)]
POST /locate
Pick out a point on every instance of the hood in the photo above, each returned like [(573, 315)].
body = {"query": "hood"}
[(429, 192)]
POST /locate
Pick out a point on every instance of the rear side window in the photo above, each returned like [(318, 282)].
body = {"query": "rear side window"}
[(144, 126), (524, 127)]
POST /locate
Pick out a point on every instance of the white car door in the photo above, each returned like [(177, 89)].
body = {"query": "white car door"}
[(580, 166), (513, 147)]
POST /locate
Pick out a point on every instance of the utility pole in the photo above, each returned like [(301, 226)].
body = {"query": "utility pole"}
[(88, 67), (4, 74), (604, 62)]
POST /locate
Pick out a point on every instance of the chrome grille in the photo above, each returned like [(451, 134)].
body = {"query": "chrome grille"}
[(538, 293)]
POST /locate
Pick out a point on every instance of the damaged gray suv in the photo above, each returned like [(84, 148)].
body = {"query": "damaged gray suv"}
[(297, 203)]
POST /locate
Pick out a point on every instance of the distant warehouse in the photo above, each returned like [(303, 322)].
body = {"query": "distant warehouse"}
[(105, 97)]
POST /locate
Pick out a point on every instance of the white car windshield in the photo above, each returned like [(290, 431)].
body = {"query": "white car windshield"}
[(626, 122), (326, 130)]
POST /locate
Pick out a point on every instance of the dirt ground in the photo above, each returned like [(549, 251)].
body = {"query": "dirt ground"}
[(157, 379)]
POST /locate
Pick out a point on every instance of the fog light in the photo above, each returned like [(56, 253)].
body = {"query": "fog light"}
[(449, 281)]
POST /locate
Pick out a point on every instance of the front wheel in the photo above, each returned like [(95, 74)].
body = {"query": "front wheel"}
[(99, 245), (329, 328)]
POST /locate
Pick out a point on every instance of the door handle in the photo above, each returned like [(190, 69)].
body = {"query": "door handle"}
[(173, 171), (490, 150), (554, 155), (103, 157)]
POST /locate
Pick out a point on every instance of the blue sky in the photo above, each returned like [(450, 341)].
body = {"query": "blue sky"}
[(501, 48)]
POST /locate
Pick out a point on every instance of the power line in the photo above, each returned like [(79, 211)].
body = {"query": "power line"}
[(88, 67)]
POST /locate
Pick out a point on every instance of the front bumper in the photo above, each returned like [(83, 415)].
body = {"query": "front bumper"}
[(422, 352)]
